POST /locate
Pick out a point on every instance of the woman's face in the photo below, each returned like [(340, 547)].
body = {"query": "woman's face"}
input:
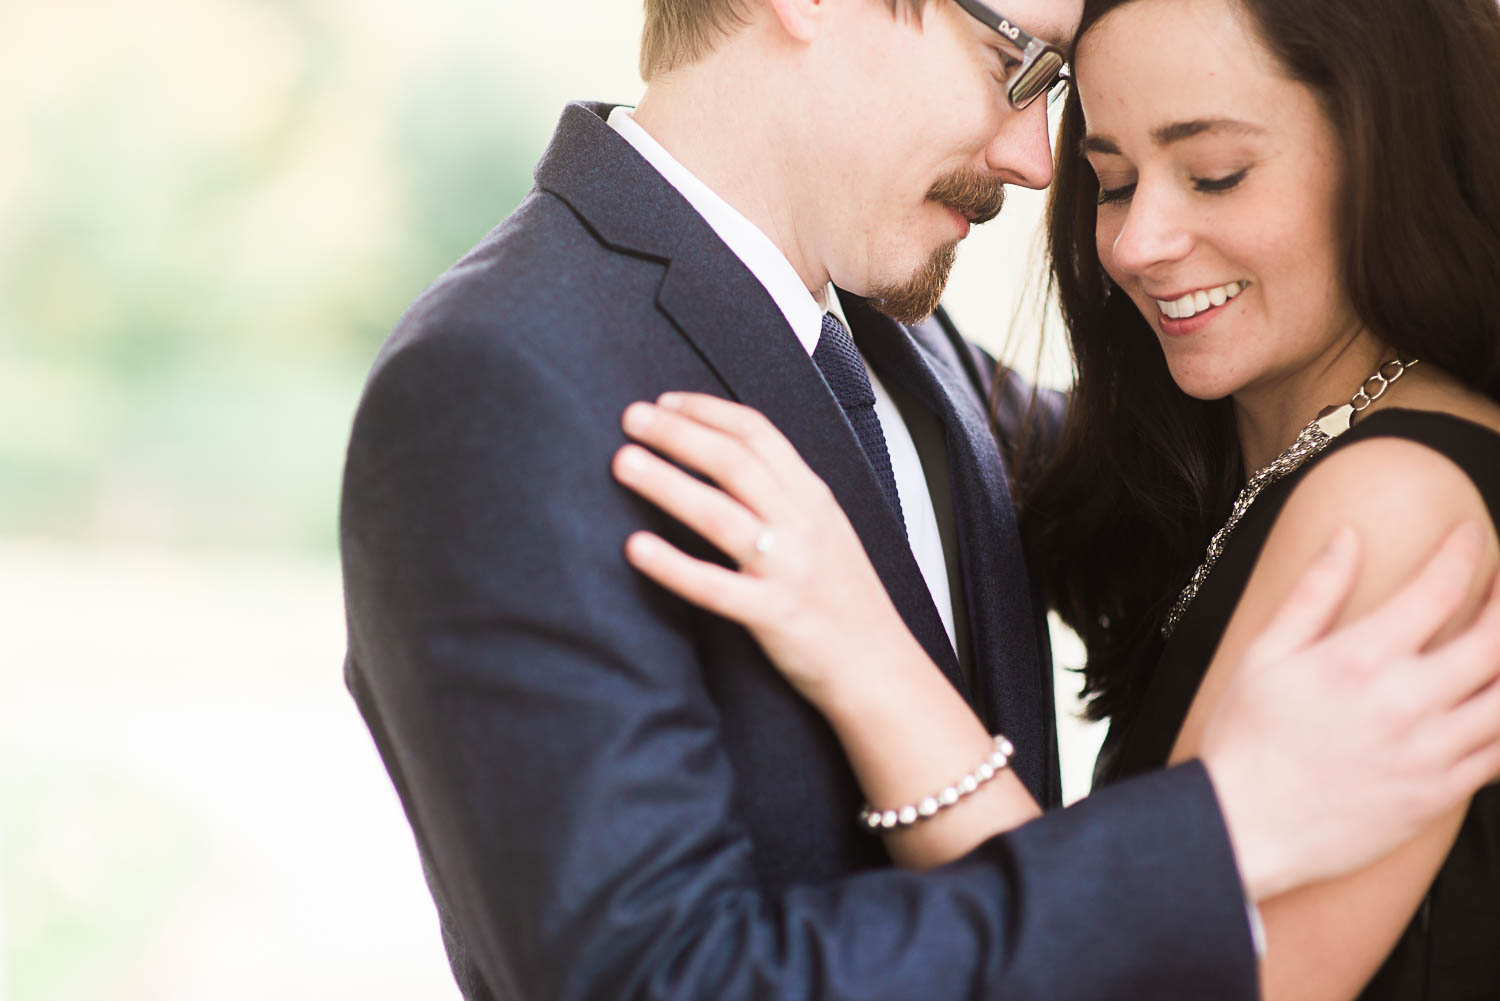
[(1217, 179)]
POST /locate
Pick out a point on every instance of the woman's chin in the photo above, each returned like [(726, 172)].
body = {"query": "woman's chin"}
[(1203, 386)]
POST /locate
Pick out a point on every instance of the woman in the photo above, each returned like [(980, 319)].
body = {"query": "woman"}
[(1277, 205)]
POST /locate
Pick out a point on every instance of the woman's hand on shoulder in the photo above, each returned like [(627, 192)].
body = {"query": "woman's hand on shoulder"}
[(804, 586), (1404, 502)]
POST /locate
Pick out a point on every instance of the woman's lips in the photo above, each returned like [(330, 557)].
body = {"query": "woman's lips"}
[(1205, 311), (1182, 328)]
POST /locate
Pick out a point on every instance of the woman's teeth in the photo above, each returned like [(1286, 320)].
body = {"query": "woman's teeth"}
[(1196, 302)]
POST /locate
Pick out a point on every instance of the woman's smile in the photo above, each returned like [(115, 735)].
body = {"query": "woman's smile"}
[(1217, 175), (1190, 312)]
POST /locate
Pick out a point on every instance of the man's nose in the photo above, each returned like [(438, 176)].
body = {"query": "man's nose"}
[(1020, 152)]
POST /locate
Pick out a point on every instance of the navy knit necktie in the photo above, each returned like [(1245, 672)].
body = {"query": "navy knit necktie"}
[(844, 371)]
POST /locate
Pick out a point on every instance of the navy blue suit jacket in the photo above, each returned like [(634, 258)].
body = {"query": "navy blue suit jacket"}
[(614, 794)]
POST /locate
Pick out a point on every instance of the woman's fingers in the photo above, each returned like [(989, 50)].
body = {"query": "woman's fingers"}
[(726, 523), (719, 456), (1313, 602), (745, 424), (707, 585)]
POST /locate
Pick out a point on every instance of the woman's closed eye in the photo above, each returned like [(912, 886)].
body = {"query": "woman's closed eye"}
[(1113, 196), (1218, 185), (1203, 185)]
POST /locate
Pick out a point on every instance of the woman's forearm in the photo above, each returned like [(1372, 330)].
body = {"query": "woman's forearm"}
[(908, 734)]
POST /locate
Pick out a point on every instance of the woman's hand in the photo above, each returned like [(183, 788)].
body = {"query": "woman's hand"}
[(807, 592), (804, 588)]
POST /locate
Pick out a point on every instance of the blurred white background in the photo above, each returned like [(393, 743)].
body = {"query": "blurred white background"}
[(210, 213)]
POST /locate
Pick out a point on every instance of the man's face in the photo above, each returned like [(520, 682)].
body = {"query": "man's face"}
[(916, 138)]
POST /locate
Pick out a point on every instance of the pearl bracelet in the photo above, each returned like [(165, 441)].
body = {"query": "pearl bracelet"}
[(879, 821)]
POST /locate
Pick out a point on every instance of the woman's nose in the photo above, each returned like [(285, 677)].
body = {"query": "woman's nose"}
[(1153, 233)]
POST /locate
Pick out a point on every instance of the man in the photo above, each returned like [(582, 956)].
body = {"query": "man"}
[(614, 794)]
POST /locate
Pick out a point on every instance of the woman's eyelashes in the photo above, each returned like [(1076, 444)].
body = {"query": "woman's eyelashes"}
[(1217, 185), (1202, 185)]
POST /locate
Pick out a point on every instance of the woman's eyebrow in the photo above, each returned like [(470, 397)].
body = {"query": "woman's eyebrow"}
[(1095, 143), (1166, 135)]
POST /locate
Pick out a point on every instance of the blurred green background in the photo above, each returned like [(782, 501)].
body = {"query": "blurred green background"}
[(211, 213)]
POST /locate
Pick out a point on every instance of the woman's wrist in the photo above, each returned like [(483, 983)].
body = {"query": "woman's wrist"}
[(872, 681)]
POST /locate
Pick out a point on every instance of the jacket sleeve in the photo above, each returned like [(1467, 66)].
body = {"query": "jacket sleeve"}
[(543, 711)]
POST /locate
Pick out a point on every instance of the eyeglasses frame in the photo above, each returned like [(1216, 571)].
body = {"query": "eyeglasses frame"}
[(1031, 48)]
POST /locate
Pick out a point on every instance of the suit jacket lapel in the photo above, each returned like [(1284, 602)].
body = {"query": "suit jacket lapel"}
[(1012, 677), (731, 320)]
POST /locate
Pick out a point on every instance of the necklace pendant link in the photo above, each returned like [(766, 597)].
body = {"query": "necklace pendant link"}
[(1335, 420), (1394, 369)]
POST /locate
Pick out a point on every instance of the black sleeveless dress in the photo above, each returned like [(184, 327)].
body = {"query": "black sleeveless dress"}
[(1451, 949)]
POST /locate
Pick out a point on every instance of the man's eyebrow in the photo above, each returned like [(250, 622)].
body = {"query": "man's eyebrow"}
[(1166, 135), (1059, 38)]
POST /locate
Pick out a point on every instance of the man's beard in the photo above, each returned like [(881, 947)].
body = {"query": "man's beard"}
[(977, 196), (913, 300)]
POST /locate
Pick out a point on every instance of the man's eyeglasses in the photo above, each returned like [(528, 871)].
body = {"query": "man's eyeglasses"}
[(1042, 64)]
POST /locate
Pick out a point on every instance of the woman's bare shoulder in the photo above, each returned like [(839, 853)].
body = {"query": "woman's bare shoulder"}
[(1389, 485), (1402, 497)]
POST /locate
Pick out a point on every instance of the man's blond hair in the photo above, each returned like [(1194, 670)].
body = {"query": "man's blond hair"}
[(680, 32)]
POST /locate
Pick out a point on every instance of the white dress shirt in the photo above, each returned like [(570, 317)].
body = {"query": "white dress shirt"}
[(804, 314)]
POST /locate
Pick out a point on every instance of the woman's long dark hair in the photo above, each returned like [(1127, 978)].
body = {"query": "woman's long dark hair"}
[(1143, 474)]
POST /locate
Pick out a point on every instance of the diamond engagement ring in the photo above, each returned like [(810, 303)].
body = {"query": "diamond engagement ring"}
[(764, 541)]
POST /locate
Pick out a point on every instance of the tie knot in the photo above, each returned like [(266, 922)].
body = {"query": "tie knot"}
[(844, 370), (839, 360)]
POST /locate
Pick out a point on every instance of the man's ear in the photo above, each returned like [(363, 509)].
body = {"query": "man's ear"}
[(800, 19)]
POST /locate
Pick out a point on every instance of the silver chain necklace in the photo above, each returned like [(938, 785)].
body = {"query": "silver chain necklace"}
[(1328, 425)]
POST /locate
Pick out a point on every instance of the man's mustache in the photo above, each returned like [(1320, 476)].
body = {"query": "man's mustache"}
[(975, 195)]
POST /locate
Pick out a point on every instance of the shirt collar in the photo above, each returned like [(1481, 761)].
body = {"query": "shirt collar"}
[(754, 249), (835, 307)]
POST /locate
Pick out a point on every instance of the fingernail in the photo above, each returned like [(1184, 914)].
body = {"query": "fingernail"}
[(638, 417), (641, 544), (672, 401), (632, 459)]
